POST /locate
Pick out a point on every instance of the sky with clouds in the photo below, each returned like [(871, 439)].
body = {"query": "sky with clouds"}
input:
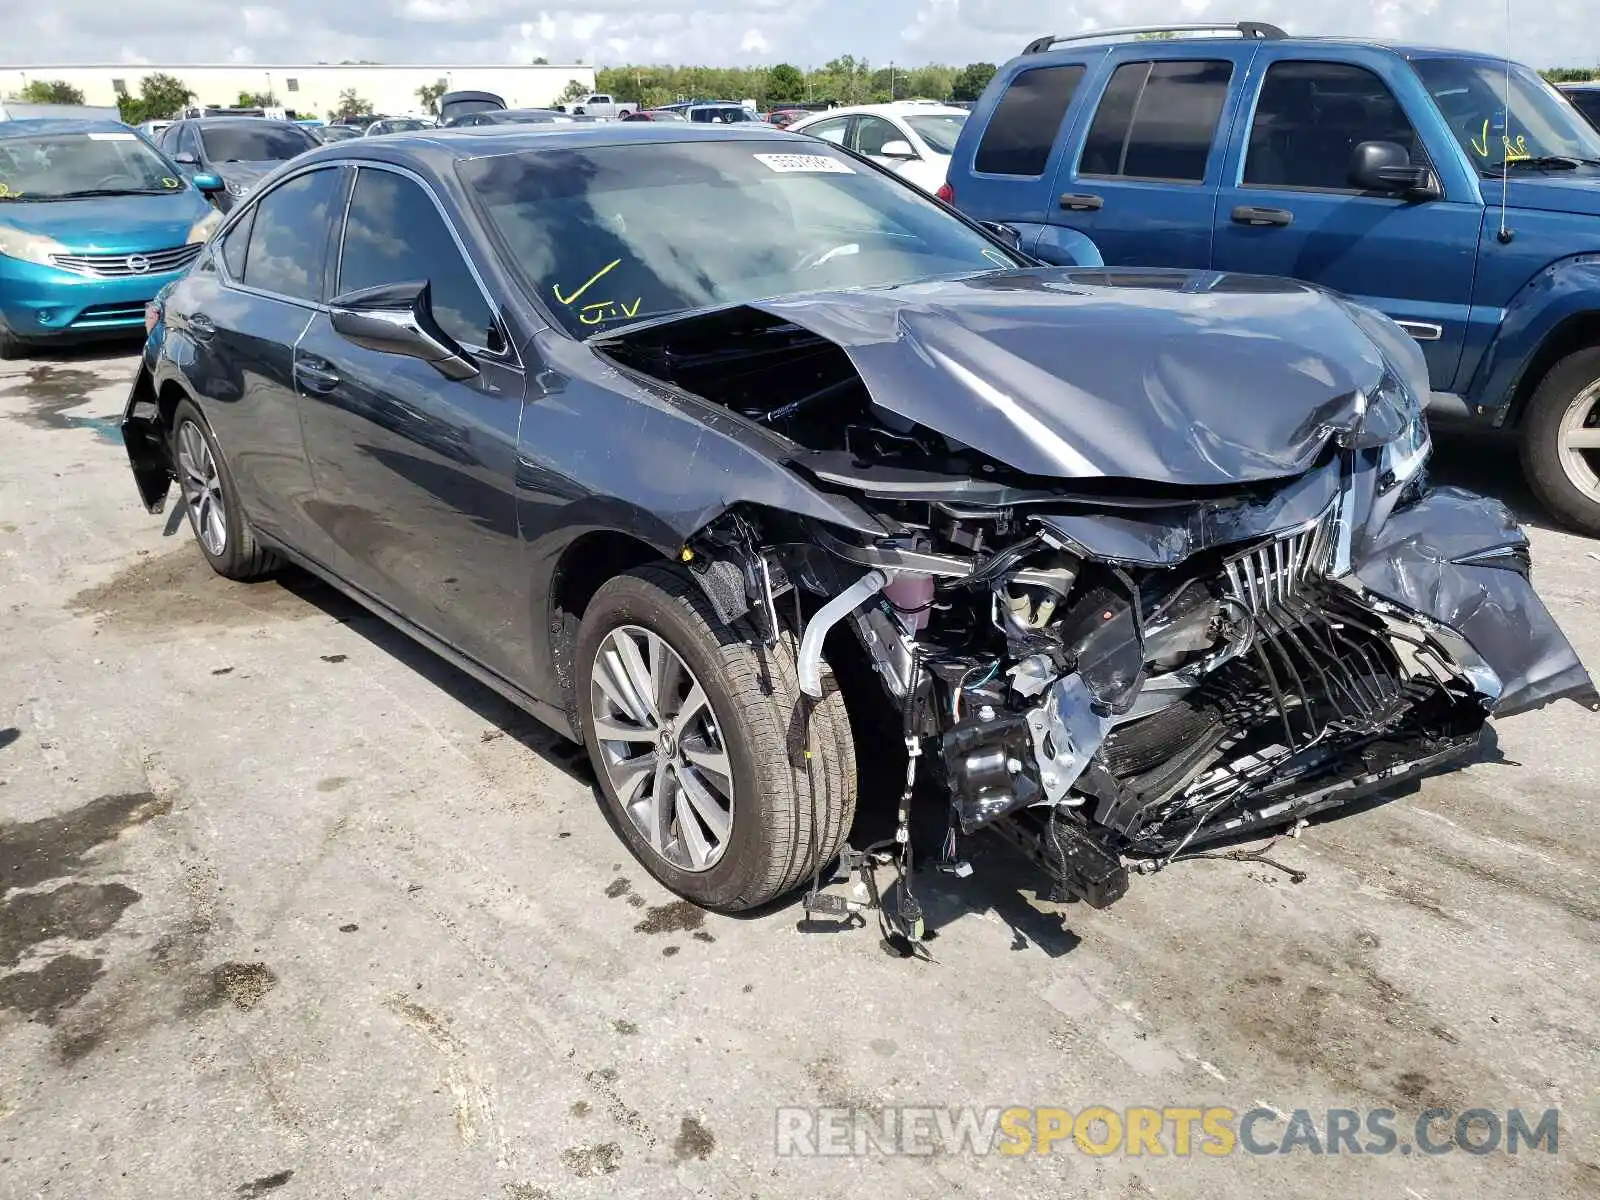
[(724, 32)]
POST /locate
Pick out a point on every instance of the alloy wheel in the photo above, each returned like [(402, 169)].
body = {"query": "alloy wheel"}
[(1579, 442), (202, 489), (661, 748)]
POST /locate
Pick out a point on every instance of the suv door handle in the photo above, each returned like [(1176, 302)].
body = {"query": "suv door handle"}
[(315, 377), (1249, 214), (1082, 202), (201, 326)]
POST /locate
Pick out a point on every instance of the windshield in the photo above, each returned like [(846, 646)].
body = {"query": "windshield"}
[(614, 234), (939, 132), (262, 141), (1471, 94), (61, 165), (723, 115)]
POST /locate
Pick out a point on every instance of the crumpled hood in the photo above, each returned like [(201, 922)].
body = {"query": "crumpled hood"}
[(1188, 378), (110, 224)]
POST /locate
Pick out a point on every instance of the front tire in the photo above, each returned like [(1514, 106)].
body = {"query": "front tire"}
[(216, 517), (726, 783), (1561, 441), (10, 347)]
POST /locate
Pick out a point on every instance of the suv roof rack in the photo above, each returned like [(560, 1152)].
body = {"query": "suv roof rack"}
[(1245, 29)]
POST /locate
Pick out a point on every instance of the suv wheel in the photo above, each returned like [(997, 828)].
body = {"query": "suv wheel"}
[(725, 783), (215, 515), (1561, 441)]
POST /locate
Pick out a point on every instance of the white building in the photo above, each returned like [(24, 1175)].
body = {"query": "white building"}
[(312, 90)]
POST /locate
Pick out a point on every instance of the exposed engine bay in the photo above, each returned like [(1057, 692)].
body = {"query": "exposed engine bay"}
[(1109, 670)]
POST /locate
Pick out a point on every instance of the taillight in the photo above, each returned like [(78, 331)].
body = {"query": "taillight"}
[(946, 193)]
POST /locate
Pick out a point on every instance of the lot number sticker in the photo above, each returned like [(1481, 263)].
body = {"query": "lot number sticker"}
[(815, 164)]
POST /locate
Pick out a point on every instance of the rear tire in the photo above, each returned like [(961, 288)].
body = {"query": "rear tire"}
[(792, 789), (1563, 414), (216, 517)]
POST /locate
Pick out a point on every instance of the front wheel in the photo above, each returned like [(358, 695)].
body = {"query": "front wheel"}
[(1561, 441), (726, 783), (10, 347)]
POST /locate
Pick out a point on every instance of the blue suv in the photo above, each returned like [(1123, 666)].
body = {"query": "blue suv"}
[(1398, 175)]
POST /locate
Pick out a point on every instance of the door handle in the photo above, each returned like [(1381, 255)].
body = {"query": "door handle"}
[(315, 377), (1082, 202), (1249, 214), (202, 326)]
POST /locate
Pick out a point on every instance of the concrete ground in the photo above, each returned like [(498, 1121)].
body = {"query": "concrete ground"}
[(289, 907)]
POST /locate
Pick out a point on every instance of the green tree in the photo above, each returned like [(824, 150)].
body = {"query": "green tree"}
[(351, 105), (429, 94), (971, 80), (257, 100), (784, 82), (576, 89), (51, 91), (1568, 74), (160, 96)]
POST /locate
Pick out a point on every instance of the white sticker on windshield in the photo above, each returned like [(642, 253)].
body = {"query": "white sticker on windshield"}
[(819, 164), (113, 137)]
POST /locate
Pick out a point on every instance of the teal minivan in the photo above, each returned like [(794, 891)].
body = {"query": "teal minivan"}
[(93, 223)]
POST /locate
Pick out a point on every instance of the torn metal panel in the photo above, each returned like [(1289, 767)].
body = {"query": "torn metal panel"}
[(1461, 560)]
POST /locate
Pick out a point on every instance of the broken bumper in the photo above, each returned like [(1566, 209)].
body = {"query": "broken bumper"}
[(1461, 561)]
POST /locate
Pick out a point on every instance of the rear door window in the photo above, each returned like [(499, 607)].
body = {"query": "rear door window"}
[(832, 130), (289, 236), (1158, 120), (1022, 130)]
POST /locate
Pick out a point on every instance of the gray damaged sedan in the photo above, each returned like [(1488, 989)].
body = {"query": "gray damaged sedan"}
[(778, 484)]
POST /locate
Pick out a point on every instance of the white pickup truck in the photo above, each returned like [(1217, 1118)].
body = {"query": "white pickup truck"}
[(601, 105)]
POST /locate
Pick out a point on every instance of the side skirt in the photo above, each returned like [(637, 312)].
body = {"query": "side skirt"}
[(546, 714)]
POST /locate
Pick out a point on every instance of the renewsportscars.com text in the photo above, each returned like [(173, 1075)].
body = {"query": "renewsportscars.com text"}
[(1179, 1131)]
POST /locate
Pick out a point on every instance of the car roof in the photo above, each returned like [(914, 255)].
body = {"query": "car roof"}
[(900, 108), (1409, 50), (438, 147), (34, 126), (1581, 85), (246, 122)]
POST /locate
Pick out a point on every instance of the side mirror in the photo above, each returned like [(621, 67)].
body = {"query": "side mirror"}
[(1386, 167), (899, 148), (185, 159), (208, 184), (1004, 232), (397, 318)]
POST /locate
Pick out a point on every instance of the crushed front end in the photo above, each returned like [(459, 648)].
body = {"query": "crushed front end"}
[(1160, 562), (1110, 689)]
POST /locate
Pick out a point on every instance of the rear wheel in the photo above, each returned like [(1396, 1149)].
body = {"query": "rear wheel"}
[(1561, 441), (726, 783), (215, 515)]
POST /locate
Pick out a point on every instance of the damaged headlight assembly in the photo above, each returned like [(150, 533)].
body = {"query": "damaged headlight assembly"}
[(1404, 457)]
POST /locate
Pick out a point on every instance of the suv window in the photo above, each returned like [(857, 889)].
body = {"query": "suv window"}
[(1310, 118), (289, 236), (1157, 120), (1022, 130), (394, 234)]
